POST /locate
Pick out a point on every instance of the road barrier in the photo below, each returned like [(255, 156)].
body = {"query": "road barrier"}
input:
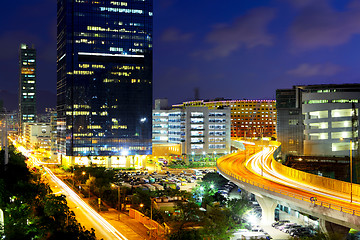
[(300, 176)]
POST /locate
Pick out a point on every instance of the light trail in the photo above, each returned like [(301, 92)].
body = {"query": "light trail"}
[(90, 212), (94, 215), (272, 175), (259, 170)]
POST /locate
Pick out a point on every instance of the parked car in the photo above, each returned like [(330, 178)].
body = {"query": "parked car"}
[(301, 232), (286, 229), (279, 223), (286, 225)]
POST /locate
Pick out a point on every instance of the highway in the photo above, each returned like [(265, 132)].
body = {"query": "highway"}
[(85, 215), (259, 170)]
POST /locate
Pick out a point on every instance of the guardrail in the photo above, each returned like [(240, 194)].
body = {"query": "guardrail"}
[(288, 193)]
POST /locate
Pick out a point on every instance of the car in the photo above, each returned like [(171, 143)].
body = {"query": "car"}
[(256, 229), (285, 225), (286, 229), (280, 222), (303, 231), (293, 228)]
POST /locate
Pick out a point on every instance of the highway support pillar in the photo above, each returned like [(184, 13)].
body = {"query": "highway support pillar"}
[(109, 162), (2, 222), (268, 206), (335, 231)]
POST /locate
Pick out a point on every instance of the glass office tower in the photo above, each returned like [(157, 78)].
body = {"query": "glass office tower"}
[(27, 84), (104, 77)]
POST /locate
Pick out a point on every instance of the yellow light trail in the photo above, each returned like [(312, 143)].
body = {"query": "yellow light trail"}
[(96, 216)]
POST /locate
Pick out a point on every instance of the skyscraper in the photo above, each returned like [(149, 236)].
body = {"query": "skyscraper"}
[(104, 77), (27, 84)]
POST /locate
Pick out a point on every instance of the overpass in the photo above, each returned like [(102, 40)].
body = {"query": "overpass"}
[(337, 203)]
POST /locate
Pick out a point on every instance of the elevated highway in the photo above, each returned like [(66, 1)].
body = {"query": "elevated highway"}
[(335, 203)]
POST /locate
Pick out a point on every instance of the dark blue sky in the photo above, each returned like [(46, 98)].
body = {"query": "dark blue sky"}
[(234, 48)]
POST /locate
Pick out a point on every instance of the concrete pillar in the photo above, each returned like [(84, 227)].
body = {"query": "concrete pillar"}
[(144, 161), (72, 160), (334, 230), (2, 224), (268, 206), (109, 162)]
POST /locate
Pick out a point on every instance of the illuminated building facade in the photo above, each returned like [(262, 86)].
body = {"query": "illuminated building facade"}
[(249, 118), (27, 84), (290, 128), (199, 130), (326, 116), (104, 77)]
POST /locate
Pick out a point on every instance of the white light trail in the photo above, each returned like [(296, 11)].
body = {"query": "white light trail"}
[(253, 164), (96, 216)]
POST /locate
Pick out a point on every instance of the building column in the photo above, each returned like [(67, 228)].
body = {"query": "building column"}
[(72, 160), (128, 161), (268, 206), (333, 229), (144, 161), (109, 162)]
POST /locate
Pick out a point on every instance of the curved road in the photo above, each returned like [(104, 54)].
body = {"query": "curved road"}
[(259, 170)]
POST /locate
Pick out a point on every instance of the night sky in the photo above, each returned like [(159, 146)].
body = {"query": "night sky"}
[(231, 48)]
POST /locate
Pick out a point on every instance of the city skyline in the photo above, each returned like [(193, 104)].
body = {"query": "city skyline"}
[(243, 45)]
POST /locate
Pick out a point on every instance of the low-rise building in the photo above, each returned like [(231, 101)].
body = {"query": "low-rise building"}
[(37, 136), (322, 120), (199, 130), (249, 118)]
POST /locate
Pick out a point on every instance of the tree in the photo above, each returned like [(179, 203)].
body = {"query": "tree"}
[(218, 223), (31, 211)]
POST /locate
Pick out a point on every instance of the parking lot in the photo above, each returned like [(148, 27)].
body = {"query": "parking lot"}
[(176, 179)]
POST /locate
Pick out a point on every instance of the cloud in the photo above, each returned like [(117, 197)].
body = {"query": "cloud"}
[(164, 4), (174, 35), (311, 70), (299, 3), (320, 25), (246, 31)]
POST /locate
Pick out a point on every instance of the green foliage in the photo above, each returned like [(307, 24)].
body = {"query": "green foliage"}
[(214, 178), (238, 206), (31, 211), (218, 223), (186, 234), (180, 164)]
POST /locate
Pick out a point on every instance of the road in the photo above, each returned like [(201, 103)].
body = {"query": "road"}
[(259, 169), (85, 215)]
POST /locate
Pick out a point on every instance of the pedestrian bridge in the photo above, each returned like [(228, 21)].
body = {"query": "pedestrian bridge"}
[(335, 203)]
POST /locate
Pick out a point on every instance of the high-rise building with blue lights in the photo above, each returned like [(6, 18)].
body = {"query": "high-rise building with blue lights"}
[(27, 84), (104, 77)]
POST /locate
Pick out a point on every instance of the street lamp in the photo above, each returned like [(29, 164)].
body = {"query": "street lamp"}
[(351, 171)]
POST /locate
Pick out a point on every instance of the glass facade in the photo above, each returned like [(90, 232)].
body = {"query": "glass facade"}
[(104, 77), (27, 84)]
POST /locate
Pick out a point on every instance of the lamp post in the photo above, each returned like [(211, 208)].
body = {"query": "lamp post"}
[(262, 155), (351, 172)]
